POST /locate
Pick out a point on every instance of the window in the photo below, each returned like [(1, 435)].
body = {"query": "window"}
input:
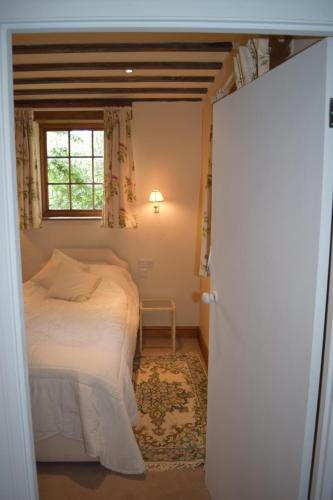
[(72, 159)]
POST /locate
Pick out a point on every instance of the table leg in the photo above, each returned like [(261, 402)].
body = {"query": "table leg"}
[(141, 328), (173, 330)]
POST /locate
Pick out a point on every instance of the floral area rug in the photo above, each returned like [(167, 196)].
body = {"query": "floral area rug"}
[(171, 393)]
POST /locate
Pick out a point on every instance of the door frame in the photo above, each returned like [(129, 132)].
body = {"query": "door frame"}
[(18, 468)]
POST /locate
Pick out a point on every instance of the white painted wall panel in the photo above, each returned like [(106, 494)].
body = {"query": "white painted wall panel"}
[(272, 192)]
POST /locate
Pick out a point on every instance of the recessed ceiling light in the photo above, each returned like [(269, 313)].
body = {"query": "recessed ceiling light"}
[(128, 70)]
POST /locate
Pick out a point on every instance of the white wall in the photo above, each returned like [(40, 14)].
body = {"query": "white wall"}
[(167, 148)]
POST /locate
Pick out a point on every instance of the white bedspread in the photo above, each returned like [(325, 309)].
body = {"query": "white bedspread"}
[(80, 365)]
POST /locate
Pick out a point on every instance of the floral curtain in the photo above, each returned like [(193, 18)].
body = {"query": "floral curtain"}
[(207, 212), (28, 169), (251, 60), (119, 208)]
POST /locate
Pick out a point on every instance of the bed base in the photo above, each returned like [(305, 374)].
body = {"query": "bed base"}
[(61, 449)]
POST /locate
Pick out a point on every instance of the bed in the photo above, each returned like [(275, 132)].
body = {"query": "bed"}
[(80, 358)]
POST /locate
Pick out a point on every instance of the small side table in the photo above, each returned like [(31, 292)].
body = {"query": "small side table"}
[(156, 305)]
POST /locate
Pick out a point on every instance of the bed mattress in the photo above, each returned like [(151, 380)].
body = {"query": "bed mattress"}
[(80, 358)]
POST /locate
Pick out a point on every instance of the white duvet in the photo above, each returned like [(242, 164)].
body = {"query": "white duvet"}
[(80, 365)]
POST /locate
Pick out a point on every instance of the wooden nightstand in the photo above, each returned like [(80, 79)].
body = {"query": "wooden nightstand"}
[(157, 305)]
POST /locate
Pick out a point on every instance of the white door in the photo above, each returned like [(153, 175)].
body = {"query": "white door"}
[(272, 203)]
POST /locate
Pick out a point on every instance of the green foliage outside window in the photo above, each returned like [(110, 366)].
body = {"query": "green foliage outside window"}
[(75, 169)]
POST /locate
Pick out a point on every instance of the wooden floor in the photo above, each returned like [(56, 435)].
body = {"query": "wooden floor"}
[(91, 481)]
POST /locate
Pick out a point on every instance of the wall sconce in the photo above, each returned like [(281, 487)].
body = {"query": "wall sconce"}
[(156, 197)]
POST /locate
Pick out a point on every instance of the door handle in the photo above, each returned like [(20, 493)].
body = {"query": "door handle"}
[(209, 297)]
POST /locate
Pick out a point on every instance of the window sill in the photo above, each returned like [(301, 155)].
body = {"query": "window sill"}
[(73, 218)]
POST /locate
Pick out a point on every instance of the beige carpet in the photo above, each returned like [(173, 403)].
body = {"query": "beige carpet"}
[(93, 482), (90, 481)]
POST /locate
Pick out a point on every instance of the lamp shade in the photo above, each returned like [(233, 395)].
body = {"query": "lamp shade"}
[(156, 196)]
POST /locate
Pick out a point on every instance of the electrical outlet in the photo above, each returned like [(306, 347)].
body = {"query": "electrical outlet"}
[(145, 263), (143, 273)]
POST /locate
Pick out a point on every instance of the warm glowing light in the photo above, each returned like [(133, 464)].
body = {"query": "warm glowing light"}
[(156, 197), (128, 70)]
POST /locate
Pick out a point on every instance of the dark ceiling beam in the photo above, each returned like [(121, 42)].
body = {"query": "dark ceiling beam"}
[(119, 65), (92, 103), (77, 48), (117, 90), (113, 79)]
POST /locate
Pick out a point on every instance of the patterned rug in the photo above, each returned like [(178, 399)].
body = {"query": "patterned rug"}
[(171, 393)]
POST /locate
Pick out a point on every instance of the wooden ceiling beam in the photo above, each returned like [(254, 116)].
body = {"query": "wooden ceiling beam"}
[(117, 90), (119, 65), (79, 48), (93, 103), (113, 79)]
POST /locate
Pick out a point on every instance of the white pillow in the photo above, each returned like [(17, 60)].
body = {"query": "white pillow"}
[(73, 283), (47, 274)]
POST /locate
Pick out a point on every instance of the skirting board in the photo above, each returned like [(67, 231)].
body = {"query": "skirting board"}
[(164, 331), (181, 331), (203, 347)]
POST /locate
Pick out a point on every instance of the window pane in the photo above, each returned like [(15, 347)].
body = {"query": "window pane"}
[(99, 197), (98, 143), (99, 169), (81, 142), (81, 170), (57, 143), (58, 170), (59, 197), (82, 197)]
